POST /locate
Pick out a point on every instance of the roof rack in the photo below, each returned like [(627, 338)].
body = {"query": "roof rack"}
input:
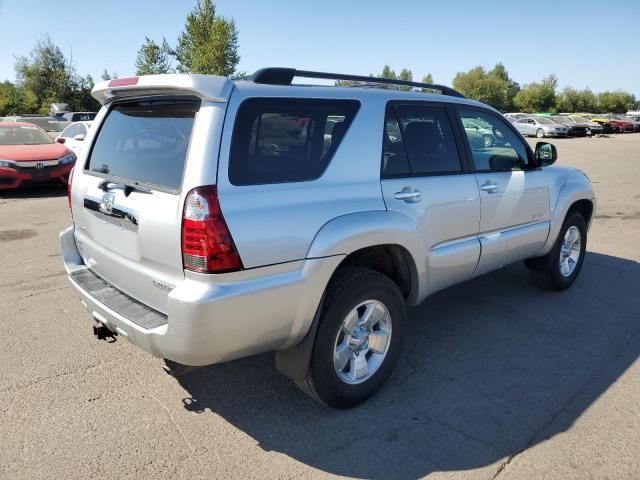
[(284, 76)]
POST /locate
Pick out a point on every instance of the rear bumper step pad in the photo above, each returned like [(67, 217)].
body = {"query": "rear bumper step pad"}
[(118, 301)]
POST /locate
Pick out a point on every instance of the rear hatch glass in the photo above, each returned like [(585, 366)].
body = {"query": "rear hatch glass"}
[(145, 142)]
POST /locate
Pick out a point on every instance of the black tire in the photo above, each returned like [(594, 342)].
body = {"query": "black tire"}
[(349, 287), (545, 271), (540, 133)]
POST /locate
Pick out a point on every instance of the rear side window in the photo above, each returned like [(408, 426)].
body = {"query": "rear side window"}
[(277, 140), (145, 141), (426, 139)]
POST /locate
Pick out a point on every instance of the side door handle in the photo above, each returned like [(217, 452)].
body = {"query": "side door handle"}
[(489, 187), (409, 195)]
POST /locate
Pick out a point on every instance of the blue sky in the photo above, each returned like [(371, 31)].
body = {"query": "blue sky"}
[(586, 43)]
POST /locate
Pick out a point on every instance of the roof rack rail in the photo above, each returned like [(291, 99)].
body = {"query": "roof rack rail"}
[(284, 76)]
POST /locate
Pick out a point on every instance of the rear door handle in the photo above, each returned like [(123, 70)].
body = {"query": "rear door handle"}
[(489, 187), (409, 195)]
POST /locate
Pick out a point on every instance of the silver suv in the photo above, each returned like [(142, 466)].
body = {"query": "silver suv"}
[(216, 219)]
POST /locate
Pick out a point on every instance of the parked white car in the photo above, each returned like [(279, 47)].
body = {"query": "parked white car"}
[(73, 136)]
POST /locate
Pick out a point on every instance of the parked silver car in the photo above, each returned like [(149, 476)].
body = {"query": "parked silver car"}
[(540, 127), (215, 219)]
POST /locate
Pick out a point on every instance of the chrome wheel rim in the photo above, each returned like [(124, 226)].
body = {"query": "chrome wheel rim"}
[(362, 342), (540, 133), (570, 251), (488, 140)]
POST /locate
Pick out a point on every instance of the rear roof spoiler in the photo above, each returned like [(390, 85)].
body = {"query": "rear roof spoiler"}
[(207, 87)]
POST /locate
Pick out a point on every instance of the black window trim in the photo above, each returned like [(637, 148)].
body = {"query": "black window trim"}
[(467, 145), (458, 139), (284, 99), (152, 186)]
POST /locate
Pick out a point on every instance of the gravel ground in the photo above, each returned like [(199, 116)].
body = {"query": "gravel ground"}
[(499, 378)]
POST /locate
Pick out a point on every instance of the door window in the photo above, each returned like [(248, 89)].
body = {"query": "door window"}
[(70, 132), (421, 134), (494, 146), (277, 140)]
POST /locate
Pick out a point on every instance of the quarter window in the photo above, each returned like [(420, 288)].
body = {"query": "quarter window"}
[(277, 140), (494, 146), (423, 135)]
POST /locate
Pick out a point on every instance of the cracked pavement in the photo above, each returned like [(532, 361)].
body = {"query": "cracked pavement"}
[(498, 378)]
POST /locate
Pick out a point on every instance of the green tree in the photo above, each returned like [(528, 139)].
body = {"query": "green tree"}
[(108, 76), (572, 100), (538, 97), (387, 72), (153, 59), (615, 102), (45, 74), (510, 87), (428, 78), (45, 77), (208, 43), (479, 85), (9, 99), (407, 76)]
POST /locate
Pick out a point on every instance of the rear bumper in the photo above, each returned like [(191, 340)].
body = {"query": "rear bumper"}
[(211, 319), (11, 178)]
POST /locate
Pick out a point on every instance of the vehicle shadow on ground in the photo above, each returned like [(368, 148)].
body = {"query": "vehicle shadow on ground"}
[(47, 191), (491, 367)]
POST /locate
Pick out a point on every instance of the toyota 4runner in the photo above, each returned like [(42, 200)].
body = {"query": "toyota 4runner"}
[(215, 219)]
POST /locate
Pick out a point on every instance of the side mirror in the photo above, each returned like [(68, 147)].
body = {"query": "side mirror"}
[(79, 138), (546, 154), (61, 139)]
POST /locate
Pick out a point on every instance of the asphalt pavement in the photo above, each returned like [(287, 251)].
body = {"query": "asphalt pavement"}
[(499, 378)]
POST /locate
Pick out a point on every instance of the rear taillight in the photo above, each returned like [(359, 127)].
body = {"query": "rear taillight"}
[(207, 245), (69, 180)]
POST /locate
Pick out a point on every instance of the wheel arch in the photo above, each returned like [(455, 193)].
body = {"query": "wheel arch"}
[(387, 242)]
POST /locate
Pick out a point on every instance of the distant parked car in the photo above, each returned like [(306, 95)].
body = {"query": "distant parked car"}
[(540, 127), (48, 124), (624, 121), (607, 126), (621, 124), (512, 117), (29, 156), (479, 132), (78, 116), (575, 129), (73, 136), (595, 127)]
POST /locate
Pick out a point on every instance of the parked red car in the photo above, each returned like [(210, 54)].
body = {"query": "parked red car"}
[(620, 125), (28, 156)]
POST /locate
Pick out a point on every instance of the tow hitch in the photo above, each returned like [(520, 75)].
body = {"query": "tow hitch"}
[(103, 333)]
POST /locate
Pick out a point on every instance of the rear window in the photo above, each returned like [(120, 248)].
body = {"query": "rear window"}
[(145, 141), (277, 140)]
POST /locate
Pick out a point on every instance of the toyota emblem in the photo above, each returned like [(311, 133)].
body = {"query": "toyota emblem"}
[(39, 165), (106, 205)]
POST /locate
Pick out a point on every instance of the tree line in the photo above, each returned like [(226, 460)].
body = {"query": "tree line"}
[(496, 88), (208, 44)]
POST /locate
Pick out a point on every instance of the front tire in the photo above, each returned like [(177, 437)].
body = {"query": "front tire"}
[(540, 133), (359, 338), (561, 266)]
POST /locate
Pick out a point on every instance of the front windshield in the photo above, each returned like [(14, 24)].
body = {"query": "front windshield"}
[(23, 135), (544, 120)]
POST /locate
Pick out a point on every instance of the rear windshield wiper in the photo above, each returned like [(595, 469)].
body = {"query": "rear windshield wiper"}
[(127, 188)]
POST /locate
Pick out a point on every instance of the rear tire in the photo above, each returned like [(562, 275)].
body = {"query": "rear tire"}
[(347, 368), (561, 266)]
